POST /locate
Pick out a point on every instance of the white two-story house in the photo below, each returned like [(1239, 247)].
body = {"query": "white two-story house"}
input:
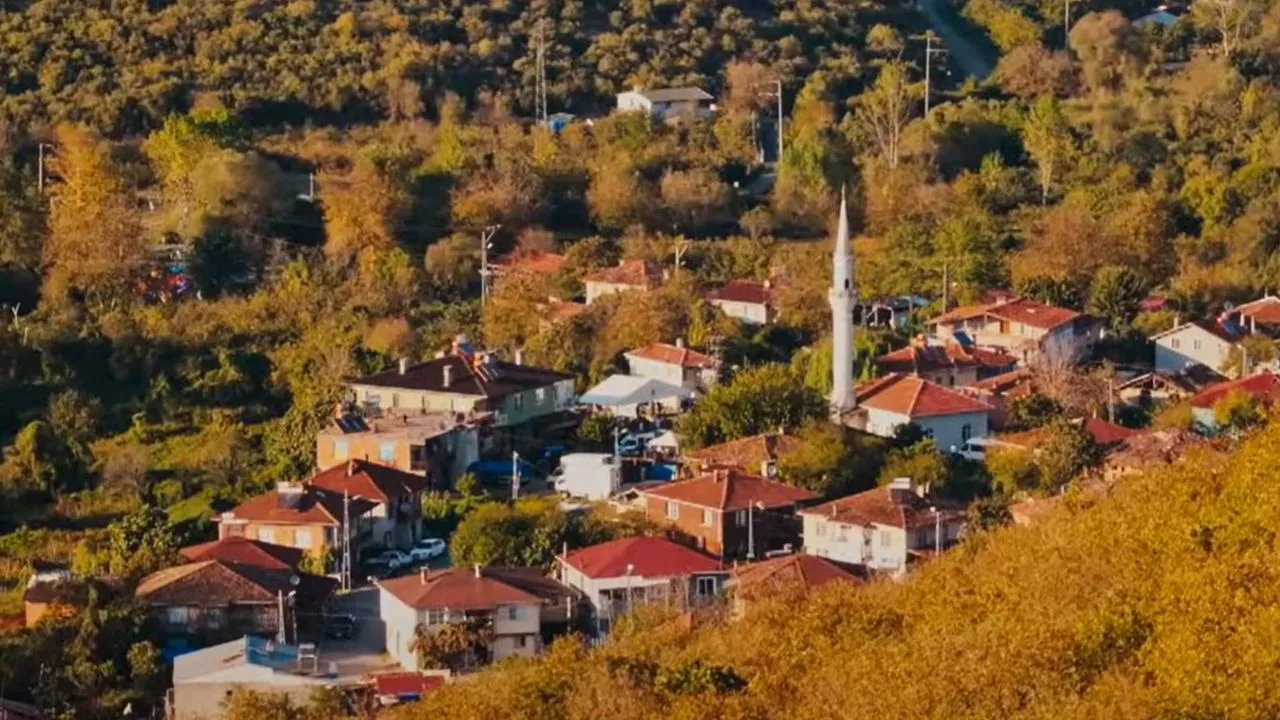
[(949, 417), (675, 365), (620, 575), (883, 529), (1030, 330), (1195, 343), (466, 381), (515, 604)]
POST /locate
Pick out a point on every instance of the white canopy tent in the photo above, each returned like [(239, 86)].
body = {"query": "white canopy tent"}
[(623, 395)]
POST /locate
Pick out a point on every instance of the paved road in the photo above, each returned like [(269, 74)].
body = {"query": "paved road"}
[(971, 60), (363, 653)]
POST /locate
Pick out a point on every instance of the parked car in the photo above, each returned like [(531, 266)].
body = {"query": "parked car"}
[(390, 559), (340, 627), (427, 548), (630, 446)]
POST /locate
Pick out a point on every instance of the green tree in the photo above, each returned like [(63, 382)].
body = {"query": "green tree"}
[(1032, 411), (1065, 450), (1114, 296), (830, 460), (921, 462), (1047, 137), (1237, 411), (140, 542), (759, 399), (453, 645)]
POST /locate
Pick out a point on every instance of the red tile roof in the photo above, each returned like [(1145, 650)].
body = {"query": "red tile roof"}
[(1263, 310), (564, 309), (886, 505), (1264, 386), (748, 453), (743, 291), (1021, 310), (311, 508), (456, 589), (1104, 433), (915, 397), (405, 684), (673, 355), (731, 490), (637, 273), (917, 358), (800, 570), (1015, 383), (212, 583), (1034, 314), (368, 480), (244, 551), (541, 263), (648, 557)]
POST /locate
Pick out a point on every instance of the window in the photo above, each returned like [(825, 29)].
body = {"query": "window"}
[(843, 534), (178, 615), (517, 402), (373, 400), (302, 539), (266, 535), (542, 395), (522, 641), (395, 400), (341, 449), (706, 586), (885, 539), (1195, 344), (740, 518), (820, 528), (951, 380), (673, 510), (707, 518), (435, 617), (387, 452), (1175, 343), (966, 432), (214, 617), (513, 613)]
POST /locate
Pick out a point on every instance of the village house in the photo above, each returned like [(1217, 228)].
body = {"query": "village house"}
[(1195, 343), (883, 529), (302, 517), (520, 606), (619, 575), (396, 517), (675, 365), (532, 263), (236, 587), (667, 104), (635, 396), (753, 454), (1264, 387), (1157, 388), (203, 679), (947, 416), (998, 391), (1259, 317), (437, 445), (627, 275), (729, 513), (750, 302), (1030, 330), (1106, 435), (56, 593), (949, 364), (788, 574), (466, 381)]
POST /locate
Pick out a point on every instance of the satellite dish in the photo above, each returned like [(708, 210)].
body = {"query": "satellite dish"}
[(294, 580), (1228, 306)]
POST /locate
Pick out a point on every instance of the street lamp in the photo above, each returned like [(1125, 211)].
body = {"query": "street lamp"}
[(486, 237), (937, 530)]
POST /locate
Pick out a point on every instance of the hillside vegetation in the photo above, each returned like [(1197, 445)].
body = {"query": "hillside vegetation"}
[(1157, 601)]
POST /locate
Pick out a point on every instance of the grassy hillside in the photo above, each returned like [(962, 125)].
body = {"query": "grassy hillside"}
[(1157, 601)]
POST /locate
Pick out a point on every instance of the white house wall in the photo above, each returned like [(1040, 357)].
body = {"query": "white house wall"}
[(1191, 345)]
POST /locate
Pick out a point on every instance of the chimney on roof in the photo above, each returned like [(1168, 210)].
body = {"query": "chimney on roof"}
[(768, 284), (404, 366), (478, 572), (447, 381), (423, 575), (288, 495), (1177, 320), (680, 343), (351, 468), (519, 356)]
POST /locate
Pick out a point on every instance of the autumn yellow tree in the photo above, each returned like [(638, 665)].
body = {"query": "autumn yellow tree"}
[(363, 210), (95, 246)]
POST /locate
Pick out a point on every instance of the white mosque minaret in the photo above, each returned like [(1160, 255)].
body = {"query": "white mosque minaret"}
[(843, 295)]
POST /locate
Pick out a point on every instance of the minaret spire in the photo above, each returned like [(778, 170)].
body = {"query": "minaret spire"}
[(843, 295)]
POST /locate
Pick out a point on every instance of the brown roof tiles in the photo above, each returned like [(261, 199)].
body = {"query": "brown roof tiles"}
[(731, 490), (915, 397)]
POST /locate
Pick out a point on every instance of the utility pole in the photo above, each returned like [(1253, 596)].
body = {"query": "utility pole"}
[(937, 531), (929, 52), (40, 166), (777, 92), (541, 93), (946, 285), (1111, 401), (346, 540), (515, 475), (486, 237), (681, 247), (280, 634), (1066, 22)]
